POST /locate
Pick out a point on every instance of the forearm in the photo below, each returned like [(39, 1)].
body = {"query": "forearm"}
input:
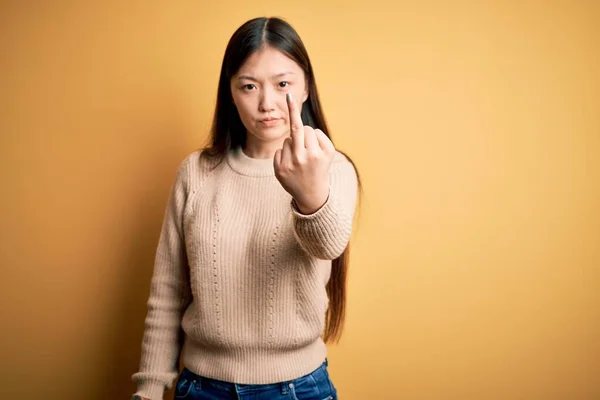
[(323, 228)]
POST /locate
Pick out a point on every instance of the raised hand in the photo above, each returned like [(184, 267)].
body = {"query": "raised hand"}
[(302, 164)]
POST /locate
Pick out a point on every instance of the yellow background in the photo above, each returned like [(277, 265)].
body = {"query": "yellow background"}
[(476, 262)]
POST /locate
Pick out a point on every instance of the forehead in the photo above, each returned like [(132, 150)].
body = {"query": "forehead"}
[(267, 62)]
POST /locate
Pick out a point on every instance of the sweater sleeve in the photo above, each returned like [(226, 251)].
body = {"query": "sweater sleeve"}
[(326, 233), (170, 295)]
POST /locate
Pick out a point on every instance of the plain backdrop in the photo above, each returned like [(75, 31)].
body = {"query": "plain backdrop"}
[(475, 270)]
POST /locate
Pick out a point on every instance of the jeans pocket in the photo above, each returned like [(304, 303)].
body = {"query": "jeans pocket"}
[(315, 386), (183, 388), (187, 385)]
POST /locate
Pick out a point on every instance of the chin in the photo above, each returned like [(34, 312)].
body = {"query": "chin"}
[(270, 134)]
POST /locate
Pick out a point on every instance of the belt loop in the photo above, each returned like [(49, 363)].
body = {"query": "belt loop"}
[(198, 385), (284, 387), (326, 362)]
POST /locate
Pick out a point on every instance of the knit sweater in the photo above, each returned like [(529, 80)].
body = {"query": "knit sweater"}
[(240, 273)]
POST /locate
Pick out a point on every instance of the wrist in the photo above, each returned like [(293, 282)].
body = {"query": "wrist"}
[(311, 204)]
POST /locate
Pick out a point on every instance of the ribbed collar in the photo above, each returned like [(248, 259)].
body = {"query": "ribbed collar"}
[(245, 165)]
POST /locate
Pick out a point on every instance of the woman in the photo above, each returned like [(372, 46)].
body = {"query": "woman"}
[(251, 264)]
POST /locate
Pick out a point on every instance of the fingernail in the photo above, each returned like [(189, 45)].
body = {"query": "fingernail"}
[(289, 97)]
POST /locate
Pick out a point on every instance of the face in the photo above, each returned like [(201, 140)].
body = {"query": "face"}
[(259, 90)]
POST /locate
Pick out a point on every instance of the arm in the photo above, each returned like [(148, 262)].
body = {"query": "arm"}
[(325, 233), (169, 297)]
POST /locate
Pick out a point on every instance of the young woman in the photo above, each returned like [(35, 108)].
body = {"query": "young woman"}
[(249, 281)]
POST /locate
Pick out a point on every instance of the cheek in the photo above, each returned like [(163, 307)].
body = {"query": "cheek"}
[(243, 108)]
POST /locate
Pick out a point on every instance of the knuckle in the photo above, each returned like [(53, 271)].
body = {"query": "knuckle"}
[(299, 160), (283, 170), (313, 155)]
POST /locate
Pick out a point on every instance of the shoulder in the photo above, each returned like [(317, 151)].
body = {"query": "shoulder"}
[(196, 167), (341, 162), (199, 162), (343, 171)]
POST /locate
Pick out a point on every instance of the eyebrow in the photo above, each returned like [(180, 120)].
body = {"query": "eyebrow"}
[(251, 78)]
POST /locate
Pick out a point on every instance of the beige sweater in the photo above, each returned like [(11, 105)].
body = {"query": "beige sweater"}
[(243, 273)]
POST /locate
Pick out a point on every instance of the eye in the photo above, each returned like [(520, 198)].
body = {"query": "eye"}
[(284, 84), (248, 86)]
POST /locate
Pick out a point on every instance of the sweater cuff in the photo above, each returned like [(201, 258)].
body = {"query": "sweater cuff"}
[(323, 234), (153, 390)]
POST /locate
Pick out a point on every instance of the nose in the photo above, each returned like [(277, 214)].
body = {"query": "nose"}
[(267, 100)]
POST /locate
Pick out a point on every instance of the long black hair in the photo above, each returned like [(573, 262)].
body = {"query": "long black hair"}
[(228, 131)]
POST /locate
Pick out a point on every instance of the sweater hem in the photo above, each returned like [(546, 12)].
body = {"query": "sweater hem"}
[(253, 366)]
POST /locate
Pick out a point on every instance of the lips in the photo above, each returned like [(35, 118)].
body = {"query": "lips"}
[(270, 122)]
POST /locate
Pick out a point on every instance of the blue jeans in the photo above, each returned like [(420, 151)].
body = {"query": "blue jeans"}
[(315, 386)]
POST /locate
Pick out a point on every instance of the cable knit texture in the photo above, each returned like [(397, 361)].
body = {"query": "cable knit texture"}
[(240, 274)]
